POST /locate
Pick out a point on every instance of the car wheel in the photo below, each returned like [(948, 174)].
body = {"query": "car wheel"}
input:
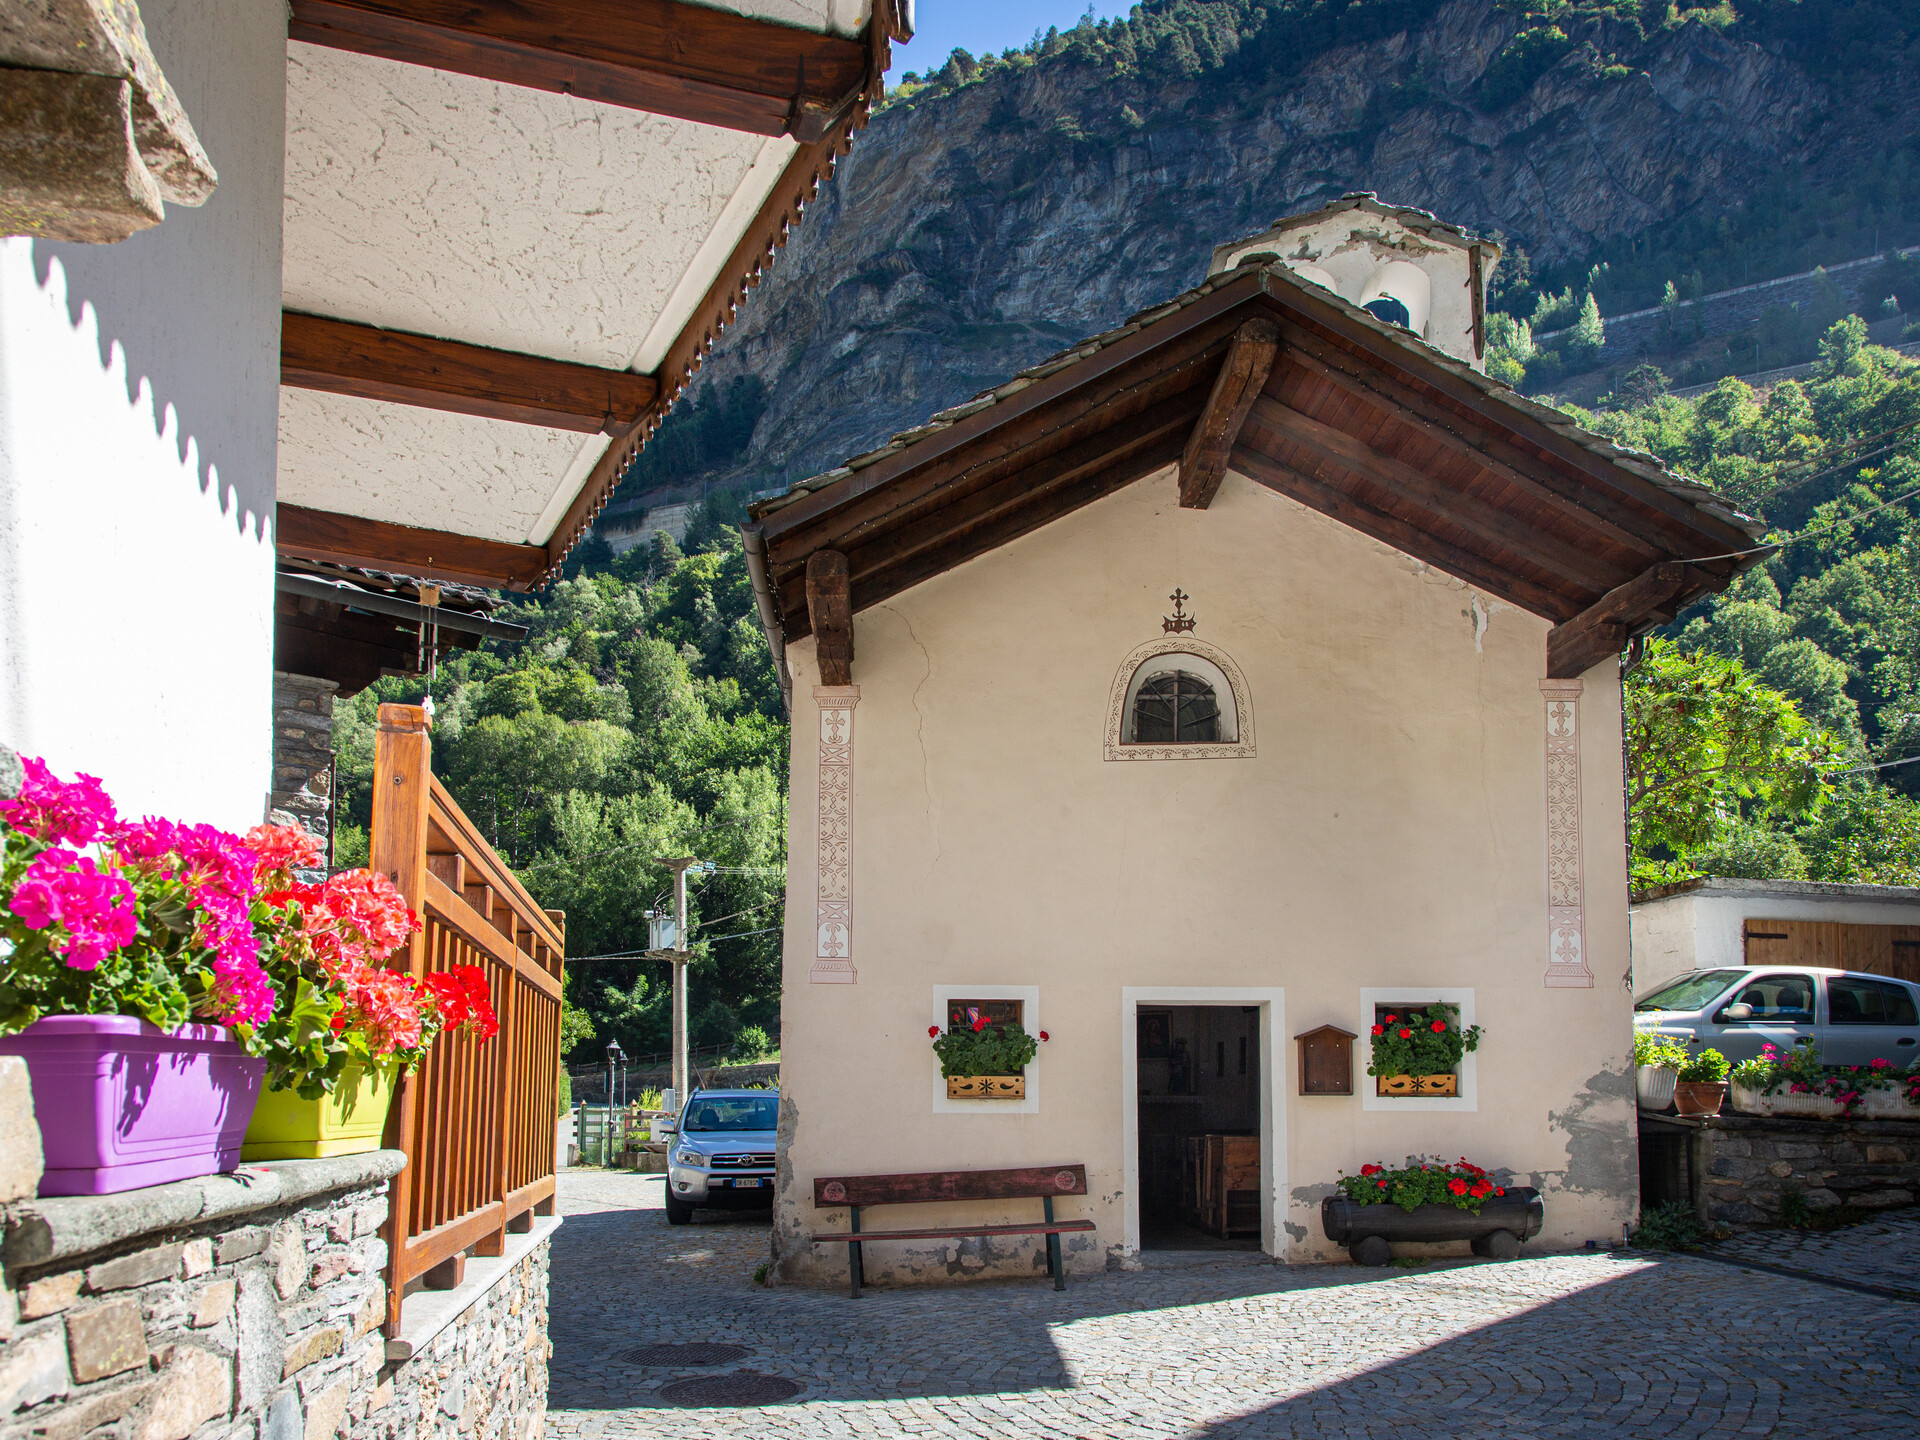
[(678, 1211)]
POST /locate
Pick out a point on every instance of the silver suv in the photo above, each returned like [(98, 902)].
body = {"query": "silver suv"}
[(723, 1152), (1854, 1019)]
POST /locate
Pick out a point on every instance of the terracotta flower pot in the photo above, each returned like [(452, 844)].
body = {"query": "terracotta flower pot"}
[(1699, 1097)]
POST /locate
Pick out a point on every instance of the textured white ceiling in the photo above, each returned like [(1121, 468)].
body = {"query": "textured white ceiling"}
[(500, 216), (839, 17), (411, 466)]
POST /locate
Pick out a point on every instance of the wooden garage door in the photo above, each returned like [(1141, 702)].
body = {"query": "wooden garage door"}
[(1875, 949)]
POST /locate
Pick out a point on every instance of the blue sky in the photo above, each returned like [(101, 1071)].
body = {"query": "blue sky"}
[(978, 26)]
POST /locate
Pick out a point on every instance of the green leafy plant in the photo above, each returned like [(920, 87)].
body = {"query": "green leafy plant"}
[(1795, 1213), (1423, 1041), (1672, 1226), (1654, 1049), (1799, 1072), (984, 1049), (1461, 1184), (1709, 1067)]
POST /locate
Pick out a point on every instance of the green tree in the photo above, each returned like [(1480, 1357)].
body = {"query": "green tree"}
[(1708, 746)]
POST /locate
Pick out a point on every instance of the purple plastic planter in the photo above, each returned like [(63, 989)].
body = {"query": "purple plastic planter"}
[(122, 1103)]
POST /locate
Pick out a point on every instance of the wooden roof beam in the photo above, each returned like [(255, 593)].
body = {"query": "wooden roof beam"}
[(1575, 646), (1415, 488), (830, 612), (340, 357), (1402, 535), (429, 554), (688, 61), (1203, 464)]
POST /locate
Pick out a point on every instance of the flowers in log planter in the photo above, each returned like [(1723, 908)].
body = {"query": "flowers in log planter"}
[(1463, 1185), (1420, 1044)]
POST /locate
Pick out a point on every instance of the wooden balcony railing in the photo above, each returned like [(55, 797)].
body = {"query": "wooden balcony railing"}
[(476, 1120)]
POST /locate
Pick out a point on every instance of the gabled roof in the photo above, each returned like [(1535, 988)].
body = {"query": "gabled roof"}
[(512, 232), (1353, 417)]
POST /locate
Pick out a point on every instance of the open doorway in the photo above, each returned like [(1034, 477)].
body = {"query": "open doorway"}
[(1198, 1086)]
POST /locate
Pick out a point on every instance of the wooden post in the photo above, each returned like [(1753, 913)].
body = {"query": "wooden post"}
[(402, 793)]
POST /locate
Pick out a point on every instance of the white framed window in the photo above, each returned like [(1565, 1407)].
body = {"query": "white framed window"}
[(1414, 997), (1178, 698), (1027, 998)]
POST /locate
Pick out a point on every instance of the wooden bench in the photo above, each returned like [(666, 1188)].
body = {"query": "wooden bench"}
[(1041, 1182)]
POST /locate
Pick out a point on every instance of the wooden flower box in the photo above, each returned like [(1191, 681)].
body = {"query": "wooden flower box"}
[(1495, 1233), (986, 1087), (1402, 1086)]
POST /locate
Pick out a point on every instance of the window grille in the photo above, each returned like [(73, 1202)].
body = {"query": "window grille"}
[(1176, 709)]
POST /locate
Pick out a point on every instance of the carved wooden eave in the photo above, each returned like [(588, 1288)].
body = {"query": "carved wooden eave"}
[(93, 142), (1350, 417), (469, 364)]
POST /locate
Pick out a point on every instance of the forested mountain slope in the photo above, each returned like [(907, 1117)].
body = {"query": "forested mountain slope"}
[(1011, 205)]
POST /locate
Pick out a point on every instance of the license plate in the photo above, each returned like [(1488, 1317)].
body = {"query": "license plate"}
[(753, 1184)]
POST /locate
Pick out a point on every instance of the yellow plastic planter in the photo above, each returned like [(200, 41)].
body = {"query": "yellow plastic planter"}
[(350, 1121)]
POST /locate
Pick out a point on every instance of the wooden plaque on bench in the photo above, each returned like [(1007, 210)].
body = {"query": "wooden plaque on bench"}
[(1033, 1182)]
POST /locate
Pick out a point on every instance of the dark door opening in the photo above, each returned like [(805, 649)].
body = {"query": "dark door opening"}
[(1199, 1126)]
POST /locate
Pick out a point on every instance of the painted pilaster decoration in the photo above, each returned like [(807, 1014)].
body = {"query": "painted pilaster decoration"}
[(833, 910), (1566, 924)]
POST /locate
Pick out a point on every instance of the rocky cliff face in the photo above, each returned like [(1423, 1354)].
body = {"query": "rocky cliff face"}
[(974, 232)]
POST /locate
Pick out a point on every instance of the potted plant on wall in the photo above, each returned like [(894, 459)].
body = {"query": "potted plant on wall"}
[(1701, 1086), (345, 1026), (1418, 1051), (1778, 1082), (1656, 1068), (983, 1059), (1429, 1201), (132, 985)]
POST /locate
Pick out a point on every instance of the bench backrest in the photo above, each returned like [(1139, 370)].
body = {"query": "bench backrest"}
[(1029, 1184)]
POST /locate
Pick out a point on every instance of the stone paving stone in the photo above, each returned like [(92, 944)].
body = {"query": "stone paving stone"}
[(1880, 1251), (1225, 1344)]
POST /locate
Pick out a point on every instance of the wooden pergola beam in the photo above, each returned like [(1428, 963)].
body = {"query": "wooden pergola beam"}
[(830, 610), (1203, 464), (1576, 645), (428, 554), (688, 61), (344, 358)]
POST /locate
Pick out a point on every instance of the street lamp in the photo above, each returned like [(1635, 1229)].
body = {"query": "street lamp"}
[(614, 1056)]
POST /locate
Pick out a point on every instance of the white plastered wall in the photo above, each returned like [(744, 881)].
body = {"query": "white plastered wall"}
[(1390, 833), (1704, 930), (138, 398)]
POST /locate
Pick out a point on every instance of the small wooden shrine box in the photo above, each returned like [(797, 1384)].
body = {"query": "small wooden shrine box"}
[(1326, 1061)]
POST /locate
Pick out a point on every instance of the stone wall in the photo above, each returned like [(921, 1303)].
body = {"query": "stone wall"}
[(249, 1307), (303, 750), (1743, 1164)]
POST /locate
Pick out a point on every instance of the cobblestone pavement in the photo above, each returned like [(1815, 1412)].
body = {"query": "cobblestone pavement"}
[(1221, 1344), (1883, 1251)]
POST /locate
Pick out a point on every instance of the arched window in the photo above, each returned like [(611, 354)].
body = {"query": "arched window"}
[(1175, 708), (1179, 699)]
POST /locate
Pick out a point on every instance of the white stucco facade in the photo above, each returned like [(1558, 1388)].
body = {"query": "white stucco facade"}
[(138, 405), (1388, 834), (1705, 928)]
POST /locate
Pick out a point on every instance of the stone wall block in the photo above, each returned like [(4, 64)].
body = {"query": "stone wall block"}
[(289, 1262), (329, 1268), (368, 1218), (33, 1370), (143, 1267), (1886, 1155), (106, 1340), (1737, 1146), (241, 1244), (196, 1258), (326, 1410), (49, 1295), (214, 1303), (91, 1411), (1881, 1199), (315, 1345), (194, 1387), (1797, 1150), (285, 1419), (20, 1162)]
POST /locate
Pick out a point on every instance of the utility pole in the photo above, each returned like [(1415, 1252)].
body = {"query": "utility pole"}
[(681, 1077)]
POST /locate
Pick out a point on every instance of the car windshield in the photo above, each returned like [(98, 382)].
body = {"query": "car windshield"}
[(1691, 992), (732, 1112)]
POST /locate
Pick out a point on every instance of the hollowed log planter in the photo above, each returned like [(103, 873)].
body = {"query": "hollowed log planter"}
[(1404, 1085), (986, 1087), (1495, 1233)]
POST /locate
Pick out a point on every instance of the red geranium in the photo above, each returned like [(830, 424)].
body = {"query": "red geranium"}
[(933, 1031), (1439, 1027), (1379, 1029), (1406, 1034)]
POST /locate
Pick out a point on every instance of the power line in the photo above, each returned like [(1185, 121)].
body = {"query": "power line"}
[(1817, 530)]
